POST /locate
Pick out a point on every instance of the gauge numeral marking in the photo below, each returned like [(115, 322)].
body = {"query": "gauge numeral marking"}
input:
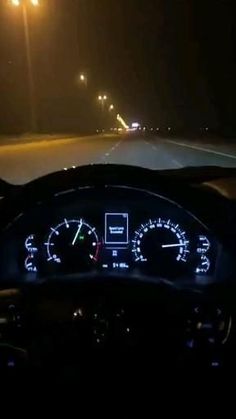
[(164, 242), (55, 231)]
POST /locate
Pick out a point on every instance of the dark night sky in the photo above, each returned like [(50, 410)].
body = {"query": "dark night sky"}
[(162, 61)]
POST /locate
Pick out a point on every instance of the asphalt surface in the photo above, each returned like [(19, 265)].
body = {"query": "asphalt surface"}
[(22, 161)]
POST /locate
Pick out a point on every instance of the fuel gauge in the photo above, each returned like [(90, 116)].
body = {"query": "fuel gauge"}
[(31, 248), (30, 264), (203, 266)]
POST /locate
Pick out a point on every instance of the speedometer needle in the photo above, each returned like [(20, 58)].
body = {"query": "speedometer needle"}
[(164, 246), (77, 233)]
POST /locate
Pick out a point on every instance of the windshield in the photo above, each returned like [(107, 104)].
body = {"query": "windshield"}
[(147, 83)]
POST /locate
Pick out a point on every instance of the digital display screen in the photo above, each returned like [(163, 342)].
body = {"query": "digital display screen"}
[(116, 259), (116, 229)]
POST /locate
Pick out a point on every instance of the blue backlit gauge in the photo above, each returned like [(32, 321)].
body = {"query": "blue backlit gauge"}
[(162, 246), (73, 245), (203, 244), (30, 264), (30, 245), (203, 266)]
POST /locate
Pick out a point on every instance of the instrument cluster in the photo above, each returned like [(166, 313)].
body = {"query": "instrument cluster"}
[(151, 236)]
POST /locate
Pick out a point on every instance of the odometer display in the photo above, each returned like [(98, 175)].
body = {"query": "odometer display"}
[(162, 247)]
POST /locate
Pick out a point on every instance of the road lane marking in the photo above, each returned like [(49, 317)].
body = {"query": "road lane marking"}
[(206, 150), (109, 152), (174, 161)]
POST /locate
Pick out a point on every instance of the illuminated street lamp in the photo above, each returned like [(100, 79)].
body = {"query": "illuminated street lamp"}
[(102, 99), (83, 79), (18, 2), (15, 2), (111, 108), (24, 6)]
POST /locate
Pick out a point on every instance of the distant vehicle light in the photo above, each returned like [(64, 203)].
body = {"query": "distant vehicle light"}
[(158, 129), (135, 125)]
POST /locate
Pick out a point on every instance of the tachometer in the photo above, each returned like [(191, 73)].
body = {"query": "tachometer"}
[(161, 246), (73, 245)]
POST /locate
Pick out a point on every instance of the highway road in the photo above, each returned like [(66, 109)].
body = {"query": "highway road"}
[(22, 161)]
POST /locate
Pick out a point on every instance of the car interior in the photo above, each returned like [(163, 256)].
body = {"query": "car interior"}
[(120, 271)]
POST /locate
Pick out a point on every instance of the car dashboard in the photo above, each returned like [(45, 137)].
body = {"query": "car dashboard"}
[(119, 259)]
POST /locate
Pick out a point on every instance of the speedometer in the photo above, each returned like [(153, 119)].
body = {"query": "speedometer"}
[(161, 245), (73, 245)]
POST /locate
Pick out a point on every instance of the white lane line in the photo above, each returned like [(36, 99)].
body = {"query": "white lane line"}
[(206, 150), (110, 151), (173, 160), (176, 163)]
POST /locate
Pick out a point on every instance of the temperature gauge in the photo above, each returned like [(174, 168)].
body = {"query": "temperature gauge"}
[(203, 245), (203, 266), (30, 244), (31, 250)]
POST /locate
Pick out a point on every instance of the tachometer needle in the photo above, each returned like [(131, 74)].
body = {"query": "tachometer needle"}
[(77, 233), (164, 246)]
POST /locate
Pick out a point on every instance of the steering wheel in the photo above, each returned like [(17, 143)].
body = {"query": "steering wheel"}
[(101, 325)]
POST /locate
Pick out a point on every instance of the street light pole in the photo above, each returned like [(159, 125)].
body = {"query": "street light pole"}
[(103, 104), (102, 100), (33, 119)]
